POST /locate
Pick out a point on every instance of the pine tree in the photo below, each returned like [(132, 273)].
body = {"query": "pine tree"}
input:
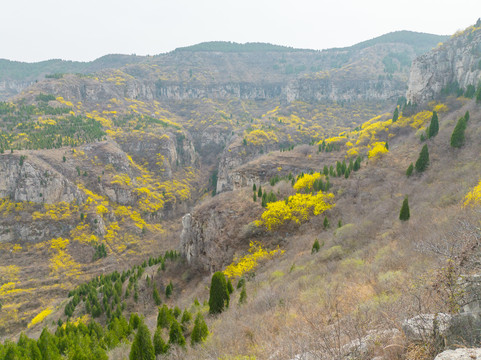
[(230, 288), (254, 188), (175, 334), (457, 137), (434, 126), (200, 331), (243, 295), (466, 117), (156, 297), (142, 348), (315, 247), (168, 290), (165, 317), (254, 197), (219, 295), (259, 192), (404, 213), (160, 347), (410, 169), (47, 345), (325, 224), (423, 161), (395, 116)]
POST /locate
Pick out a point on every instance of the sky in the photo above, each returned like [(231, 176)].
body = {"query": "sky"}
[(83, 30)]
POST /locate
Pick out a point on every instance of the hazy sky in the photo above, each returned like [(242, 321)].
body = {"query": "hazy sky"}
[(34, 30)]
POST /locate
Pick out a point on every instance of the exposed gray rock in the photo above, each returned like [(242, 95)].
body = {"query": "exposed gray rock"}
[(460, 354), (422, 327), (458, 60)]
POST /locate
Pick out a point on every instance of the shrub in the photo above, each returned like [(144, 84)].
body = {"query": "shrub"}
[(315, 247), (410, 169), (142, 348), (219, 294), (200, 331), (175, 334), (404, 213), (423, 160), (457, 137)]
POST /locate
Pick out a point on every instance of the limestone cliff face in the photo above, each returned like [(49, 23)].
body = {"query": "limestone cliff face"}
[(34, 180), (10, 88), (211, 236), (458, 60)]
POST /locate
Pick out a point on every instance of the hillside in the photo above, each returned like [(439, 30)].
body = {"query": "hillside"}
[(122, 191)]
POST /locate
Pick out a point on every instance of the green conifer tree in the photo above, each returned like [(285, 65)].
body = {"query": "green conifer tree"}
[(434, 126), (142, 348), (315, 247), (404, 213), (156, 297), (219, 295), (160, 347), (325, 223), (165, 317), (254, 197), (243, 295), (230, 288), (409, 170), (254, 188), (423, 161), (466, 117), (259, 192), (395, 115), (175, 334), (200, 331), (457, 137)]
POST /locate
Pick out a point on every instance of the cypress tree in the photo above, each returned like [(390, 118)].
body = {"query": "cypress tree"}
[(165, 317), (410, 169), (254, 188), (457, 137), (142, 348), (325, 224), (156, 297), (168, 290), (466, 117), (200, 331), (254, 197), (241, 282), (230, 288), (219, 295), (47, 345), (160, 347), (259, 192), (434, 126), (395, 116), (243, 295), (404, 213), (423, 160), (315, 247), (175, 334)]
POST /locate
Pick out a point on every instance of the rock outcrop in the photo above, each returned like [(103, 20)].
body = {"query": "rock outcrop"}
[(458, 61), (460, 354), (31, 179), (210, 235)]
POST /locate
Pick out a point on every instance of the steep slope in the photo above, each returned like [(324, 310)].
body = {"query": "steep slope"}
[(452, 68)]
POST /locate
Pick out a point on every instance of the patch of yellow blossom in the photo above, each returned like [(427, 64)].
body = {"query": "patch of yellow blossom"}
[(61, 262), (473, 198), (40, 317), (57, 211), (377, 149), (306, 182), (297, 208), (9, 273), (260, 137), (247, 263)]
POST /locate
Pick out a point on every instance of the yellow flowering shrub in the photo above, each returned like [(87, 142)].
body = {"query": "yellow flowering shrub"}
[(473, 197), (298, 208), (243, 265), (307, 181), (260, 137), (40, 317), (377, 149)]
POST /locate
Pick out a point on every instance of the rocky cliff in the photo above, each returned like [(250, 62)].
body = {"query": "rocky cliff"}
[(457, 63)]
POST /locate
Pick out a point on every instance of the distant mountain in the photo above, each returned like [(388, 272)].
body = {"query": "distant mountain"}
[(421, 42), (228, 46)]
